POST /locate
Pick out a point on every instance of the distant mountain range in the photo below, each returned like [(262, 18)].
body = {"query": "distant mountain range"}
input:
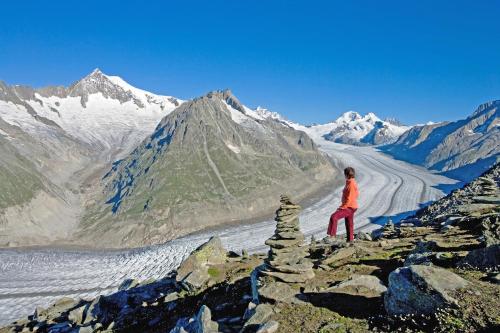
[(213, 161), (352, 128), (104, 163), (57, 141), (463, 149), (99, 110)]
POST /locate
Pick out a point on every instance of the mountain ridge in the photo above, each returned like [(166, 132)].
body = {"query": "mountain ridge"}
[(352, 128), (207, 157), (68, 138), (436, 146), (64, 137)]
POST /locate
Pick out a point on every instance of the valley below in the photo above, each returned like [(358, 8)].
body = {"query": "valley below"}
[(389, 189)]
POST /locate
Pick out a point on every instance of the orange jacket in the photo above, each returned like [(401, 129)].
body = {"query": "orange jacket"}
[(350, 194)]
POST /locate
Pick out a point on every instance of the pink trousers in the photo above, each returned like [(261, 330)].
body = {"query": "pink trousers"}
[(348, 215)]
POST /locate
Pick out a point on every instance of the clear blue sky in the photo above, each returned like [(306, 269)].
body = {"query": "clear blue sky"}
[(309, 60)]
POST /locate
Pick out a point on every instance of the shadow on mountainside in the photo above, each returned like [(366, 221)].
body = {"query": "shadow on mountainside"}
[(471, 171), (448, 188), (396, 218)]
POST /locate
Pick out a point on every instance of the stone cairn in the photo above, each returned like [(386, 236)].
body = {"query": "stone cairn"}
[(286, 260), (389, 230)]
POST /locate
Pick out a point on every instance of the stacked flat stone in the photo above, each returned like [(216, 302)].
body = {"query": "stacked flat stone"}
[(389, 230), (286, 260)]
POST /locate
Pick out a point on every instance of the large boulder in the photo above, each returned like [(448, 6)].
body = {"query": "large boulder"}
[(476, 209), (201, 323), (419, 289), (60, 308), (193, 273), (362, 285), (77, 315), (278, 292), (490, 226), (339, 255), (260, 315), (487, 258)]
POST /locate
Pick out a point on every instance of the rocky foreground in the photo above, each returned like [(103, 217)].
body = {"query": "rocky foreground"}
[(437, 271)]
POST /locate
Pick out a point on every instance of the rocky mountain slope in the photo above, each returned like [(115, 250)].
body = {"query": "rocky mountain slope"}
[(462, 149), (39, 190), (218, 158), (55, 141), (210, 161), (438, 271), (58, 143)]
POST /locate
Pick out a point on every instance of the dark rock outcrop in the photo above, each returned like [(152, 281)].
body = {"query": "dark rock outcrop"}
[(474, 200), (487, 258), (418, 289), (201, 323), (193, 273)]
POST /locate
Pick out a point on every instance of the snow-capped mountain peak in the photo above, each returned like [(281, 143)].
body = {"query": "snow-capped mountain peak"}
[(241, 111), (98, 109), (97, 82), (144, 96), (95, 79), (351, 127), (267, 114), (347, 117), (353, 116), (354, 128), (371, 117), (115, 87)]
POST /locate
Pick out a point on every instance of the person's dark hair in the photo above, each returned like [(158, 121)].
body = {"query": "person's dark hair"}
[(349, 172)]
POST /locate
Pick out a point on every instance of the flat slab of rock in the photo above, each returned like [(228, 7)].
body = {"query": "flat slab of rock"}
[(302, 250), (64, 304), (299, 268), (290, 278), (476, 209), (290, 235), (363, 284), (418, 289), (336, 242), (495, 200), (340, 254), (261, 315), (278, 292), (284, 243), (286, 258)]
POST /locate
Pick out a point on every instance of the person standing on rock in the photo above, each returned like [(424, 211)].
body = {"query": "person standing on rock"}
[(347, 208)]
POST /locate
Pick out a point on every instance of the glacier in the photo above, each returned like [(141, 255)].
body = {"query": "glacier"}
[(34, 277)]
